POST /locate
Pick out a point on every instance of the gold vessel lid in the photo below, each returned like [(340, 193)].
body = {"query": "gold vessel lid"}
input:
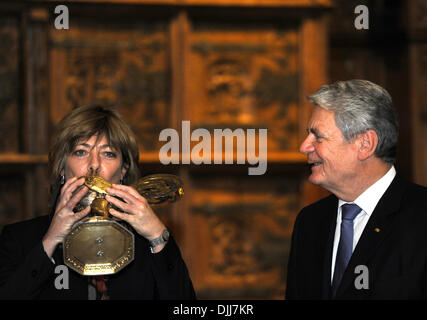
[(97, 184)]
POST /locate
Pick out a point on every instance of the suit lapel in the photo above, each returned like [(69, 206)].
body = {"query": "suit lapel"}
[(377, 228), (328, 238)]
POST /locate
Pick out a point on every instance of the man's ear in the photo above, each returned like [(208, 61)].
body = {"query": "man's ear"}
[(368, 142)]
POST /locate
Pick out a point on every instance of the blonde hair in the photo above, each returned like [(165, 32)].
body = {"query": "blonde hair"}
[(81, 124)]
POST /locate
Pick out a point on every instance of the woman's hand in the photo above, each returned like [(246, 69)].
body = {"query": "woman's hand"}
[(136, 211), (64, 217)]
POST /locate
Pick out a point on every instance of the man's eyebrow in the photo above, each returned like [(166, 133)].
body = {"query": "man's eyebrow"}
[(313, 131)]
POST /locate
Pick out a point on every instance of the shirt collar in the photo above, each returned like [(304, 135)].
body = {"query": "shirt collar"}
[(368, 200)]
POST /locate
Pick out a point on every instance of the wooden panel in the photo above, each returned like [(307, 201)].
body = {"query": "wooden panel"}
[(245, 77), (125, 65), (35, 64), (243, 226), (314, 73), (9, 83)]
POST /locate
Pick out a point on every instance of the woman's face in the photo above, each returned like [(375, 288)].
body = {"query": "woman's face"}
[(95, 156)]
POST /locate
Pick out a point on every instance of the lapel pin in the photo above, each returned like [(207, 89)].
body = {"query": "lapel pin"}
[(377, 229)]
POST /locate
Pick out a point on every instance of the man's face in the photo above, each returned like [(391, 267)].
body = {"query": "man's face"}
[(333, 160), (97, 157)]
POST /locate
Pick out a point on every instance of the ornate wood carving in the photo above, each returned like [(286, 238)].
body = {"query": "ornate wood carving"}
[(244, 77), (9, 85), (244, 231), (125, 66)]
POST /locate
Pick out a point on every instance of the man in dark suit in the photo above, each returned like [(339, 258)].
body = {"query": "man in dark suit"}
[(368, 239)]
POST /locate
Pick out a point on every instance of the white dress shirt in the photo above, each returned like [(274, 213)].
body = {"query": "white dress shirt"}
[(367, 201)]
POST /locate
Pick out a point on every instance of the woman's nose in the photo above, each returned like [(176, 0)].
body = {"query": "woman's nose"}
[(94, 164)]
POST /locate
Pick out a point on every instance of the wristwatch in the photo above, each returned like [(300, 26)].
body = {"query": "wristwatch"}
[(164, 237)]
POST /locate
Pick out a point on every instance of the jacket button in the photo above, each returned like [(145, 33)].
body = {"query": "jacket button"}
[(170, 266), (34, 273)]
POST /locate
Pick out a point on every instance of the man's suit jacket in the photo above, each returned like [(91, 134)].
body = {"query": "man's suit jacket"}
[(393, 247), (26, 272)]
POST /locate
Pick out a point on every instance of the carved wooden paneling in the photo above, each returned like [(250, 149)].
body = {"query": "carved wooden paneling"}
[(9, 85), (245, 77), (125, 65), (159, 69), (243, 227)]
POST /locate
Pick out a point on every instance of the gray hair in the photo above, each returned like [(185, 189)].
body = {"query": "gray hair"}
[(361, 105)]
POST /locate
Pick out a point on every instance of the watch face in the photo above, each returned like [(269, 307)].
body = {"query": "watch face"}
[(165, 235)]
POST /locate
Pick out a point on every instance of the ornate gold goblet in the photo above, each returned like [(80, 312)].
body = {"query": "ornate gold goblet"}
[(99, 245)]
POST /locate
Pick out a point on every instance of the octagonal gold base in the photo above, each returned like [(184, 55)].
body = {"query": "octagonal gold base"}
[(98, 246)]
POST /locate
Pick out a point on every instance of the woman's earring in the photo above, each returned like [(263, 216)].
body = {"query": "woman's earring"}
[(62, 180), (121, 181)]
